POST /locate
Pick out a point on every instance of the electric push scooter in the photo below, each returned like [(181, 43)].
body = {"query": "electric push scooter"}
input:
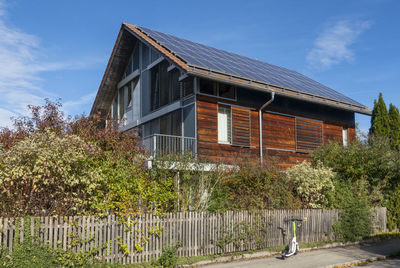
[(293, 247)]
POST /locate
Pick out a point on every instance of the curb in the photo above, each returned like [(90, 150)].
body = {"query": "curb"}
[(357, 262)]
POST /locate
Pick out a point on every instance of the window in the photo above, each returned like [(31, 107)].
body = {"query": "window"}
[(345, 136), (226, 91), (213, 88), (208, 87), (224, 124), (145, 56), (174, 84), (187, 86), (308, 134), (133, 64), (121, 103)]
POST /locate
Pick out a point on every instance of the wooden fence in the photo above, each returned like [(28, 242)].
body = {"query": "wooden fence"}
[(142, 238)]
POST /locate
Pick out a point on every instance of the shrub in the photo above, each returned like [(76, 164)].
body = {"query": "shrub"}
[(168, 257), (354, 212), (255, 187), (375, 163), (47, 174), (313, 183), (393, 208)]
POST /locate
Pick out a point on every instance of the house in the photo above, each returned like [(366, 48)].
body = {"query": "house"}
[(185, 96)]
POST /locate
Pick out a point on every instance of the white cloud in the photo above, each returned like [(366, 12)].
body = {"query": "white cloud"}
[(69, 107), (333, 45), (22, 60)]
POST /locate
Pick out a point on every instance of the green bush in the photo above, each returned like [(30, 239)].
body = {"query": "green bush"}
[(393, 208), (354, 212), (255, 187), (168, 257), (313, 183)]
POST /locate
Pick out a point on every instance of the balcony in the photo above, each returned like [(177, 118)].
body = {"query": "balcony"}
[(160, 145)]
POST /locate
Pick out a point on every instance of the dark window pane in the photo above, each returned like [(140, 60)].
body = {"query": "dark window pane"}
[(135, 58), (145, 92), (129, 100), (115, 107), (155, 88), (121, 102), (164, 85), (189, 121), (154, 55), (187, 86), (128, 69), (174, 84), (165, 124), (145, 56), (207, 87), (227, 91), (177, 123)]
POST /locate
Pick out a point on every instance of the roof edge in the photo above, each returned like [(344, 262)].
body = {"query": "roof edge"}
[(262, 86), (110, 60)]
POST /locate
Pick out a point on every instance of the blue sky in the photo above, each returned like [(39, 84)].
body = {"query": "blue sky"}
[(59, 49)]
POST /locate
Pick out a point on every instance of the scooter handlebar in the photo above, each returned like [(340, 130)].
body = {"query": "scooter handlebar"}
[(293, 219)]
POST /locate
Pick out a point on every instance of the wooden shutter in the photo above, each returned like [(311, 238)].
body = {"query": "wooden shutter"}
[(308, 134), (240, 126)]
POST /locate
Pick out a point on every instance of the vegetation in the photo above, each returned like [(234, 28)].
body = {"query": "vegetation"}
[(168, 257), (313, 183), (380, 118), (52, 165)]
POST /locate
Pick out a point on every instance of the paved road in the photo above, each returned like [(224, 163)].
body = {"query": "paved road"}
[(324, 257), (384, 264)]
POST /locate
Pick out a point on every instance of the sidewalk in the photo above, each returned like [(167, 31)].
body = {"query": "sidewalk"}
[(324, 257)]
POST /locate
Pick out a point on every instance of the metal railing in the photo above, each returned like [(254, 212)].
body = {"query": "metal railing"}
[(160, 144)]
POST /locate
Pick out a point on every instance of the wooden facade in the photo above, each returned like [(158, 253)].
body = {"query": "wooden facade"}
[(283, 142)]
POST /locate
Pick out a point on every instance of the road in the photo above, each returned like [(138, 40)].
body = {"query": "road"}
[(325, 257)]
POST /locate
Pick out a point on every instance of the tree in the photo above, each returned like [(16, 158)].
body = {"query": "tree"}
[(394, 124), (380, 118)]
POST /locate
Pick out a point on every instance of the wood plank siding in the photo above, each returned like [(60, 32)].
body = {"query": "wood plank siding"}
[(287, 139)]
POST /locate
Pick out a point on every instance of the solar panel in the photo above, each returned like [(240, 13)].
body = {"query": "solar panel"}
[(220, 60)]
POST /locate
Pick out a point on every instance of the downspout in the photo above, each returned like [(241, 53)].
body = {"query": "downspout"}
[(260, 123)]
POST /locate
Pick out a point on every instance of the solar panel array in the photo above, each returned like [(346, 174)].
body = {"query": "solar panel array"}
[(220, 60)]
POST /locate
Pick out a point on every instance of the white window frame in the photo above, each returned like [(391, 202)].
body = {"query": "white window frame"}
[(345, 136), (228, 127)]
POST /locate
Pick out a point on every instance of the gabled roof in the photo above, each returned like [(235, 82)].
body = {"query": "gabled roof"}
[(205, 61)]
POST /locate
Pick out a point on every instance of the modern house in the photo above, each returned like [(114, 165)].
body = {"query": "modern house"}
[(185, 96)]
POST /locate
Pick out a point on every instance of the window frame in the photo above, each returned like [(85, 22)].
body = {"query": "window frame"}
[(228, 127), (345, 138)]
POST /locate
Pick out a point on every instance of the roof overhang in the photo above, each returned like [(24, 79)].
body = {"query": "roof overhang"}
[(123, 48)]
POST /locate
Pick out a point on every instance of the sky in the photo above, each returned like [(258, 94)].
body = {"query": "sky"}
[(60, 49)]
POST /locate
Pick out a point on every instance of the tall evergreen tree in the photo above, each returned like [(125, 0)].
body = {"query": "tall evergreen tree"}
[(394, 123), (380, 118)]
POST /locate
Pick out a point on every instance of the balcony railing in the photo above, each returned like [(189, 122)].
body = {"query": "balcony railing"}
[(159, 145)]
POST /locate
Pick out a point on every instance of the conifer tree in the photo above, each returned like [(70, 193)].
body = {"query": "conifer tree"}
[(394, 117), (380, 118)]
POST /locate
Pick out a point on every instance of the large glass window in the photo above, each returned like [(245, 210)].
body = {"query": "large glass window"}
[(189, 121), (224, 124)]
